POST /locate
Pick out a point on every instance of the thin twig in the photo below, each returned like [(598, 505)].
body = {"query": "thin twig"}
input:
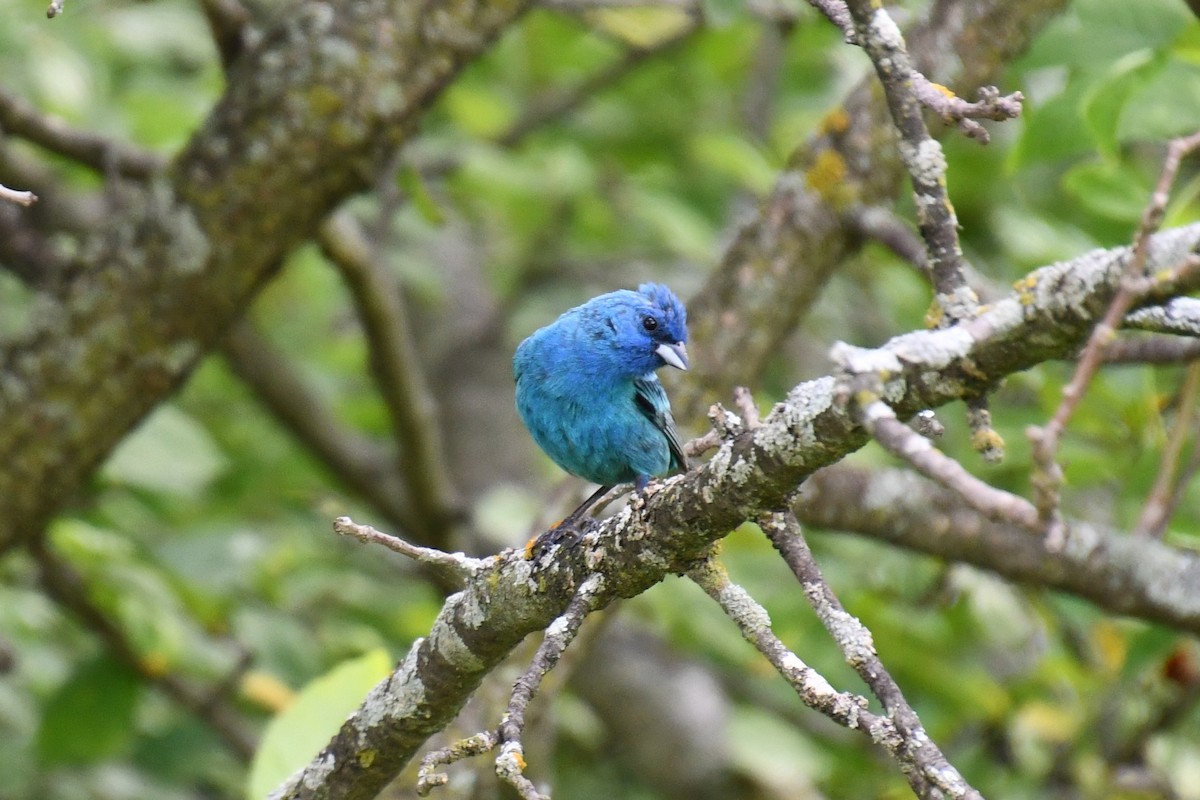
[(1047, 478), (1111, 569), (1180, 315), (1186, 476), (456, 565), (937, 98), (761, 87), (21, 198), (885, 226), (428, 779), (399, 375), (510, 764), (557, 105), (922, 155), (963, 113), (752, 620), (856, 644), (364, 465), (899, 440), (232, 28), (702, 444), (837, 13), (67, 587), (1154, 517), (1152, 350), (747, 408), (19, 118)]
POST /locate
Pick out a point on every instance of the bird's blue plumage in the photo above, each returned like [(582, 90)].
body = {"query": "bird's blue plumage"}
[(587, 391)]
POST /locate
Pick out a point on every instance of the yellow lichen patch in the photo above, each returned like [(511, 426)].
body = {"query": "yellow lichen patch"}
[(154, 664), (826, 175), (835, 122), (968, 366), (943, 89), (864, 397), (367, 757), (1049, 722), (265, 690), (342, 134), (325, 101), (1024, 288), (987, 440), (934, 315), (519, 759), (1111, 646)]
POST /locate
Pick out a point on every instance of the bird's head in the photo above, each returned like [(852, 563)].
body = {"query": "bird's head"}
[(647, 329), (664, 322)]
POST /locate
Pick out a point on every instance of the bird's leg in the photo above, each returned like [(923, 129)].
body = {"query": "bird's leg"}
[(567, 532)]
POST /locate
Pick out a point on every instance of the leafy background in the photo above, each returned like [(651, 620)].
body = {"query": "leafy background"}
[(205, 538)]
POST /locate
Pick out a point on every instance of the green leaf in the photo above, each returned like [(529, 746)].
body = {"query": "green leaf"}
[(1168, 105), (679, 226), (90, 717), (479, 111), (170, 452), (1094, 33), (776, 753), (1051, 131), (1108, 189), (1124, 27), (294, 736), (641, 27), (414, 186), (1102, 103), (733, 155)]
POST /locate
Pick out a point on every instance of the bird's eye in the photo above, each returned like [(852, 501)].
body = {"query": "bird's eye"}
[(650, 323)]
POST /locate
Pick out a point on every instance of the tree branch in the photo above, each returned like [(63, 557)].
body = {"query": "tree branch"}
[(1048, 476), (355, 459), (674, 523), (854, 640), (21, 198), (19, 118), (298, 130), (562, 103), (232, 28), (1152, 350), (1180, 315), (902, 442), (457, 567), (1120, 573), (922, 155), (410, 403), (848, 710), (777, 264), (1157, 511)]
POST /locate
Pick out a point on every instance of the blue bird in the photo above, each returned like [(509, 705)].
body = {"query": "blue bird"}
[(587, 391)]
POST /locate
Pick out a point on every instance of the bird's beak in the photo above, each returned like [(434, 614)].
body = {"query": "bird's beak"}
[(674, 354)]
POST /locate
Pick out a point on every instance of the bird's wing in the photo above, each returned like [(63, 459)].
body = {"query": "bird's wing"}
[(652, 401)]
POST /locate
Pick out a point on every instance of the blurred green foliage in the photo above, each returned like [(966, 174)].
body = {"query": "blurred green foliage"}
[(205, 538)]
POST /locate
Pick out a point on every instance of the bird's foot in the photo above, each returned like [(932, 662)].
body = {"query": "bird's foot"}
[(566, 533)]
